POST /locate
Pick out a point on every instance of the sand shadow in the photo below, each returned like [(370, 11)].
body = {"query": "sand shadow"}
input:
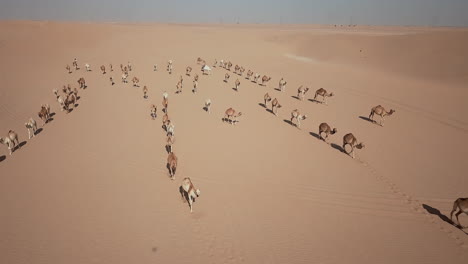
[(337, 147), (2, 158), (367, 119)]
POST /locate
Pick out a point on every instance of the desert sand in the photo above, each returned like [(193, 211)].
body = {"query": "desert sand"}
[(93, 187)]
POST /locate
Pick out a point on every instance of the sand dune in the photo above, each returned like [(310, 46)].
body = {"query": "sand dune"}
[(92, 186)]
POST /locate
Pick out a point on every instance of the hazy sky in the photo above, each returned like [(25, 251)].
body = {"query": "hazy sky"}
[(378, 12)]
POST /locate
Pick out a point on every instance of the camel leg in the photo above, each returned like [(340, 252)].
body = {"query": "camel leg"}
[(451, 213), (352, 151), (190, 203), (382, 121)]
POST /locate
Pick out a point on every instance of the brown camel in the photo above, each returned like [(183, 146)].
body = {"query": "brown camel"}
[(68, 68), (11, 141), (196, 77), (325, 128), (44, 114), (274, 106), (81, 81), (188, 70), (350, 139), (166, 121), (379, 110), (103, 69), (249, 75), (265, 79), (231, 115), (154, 110), (226, 77), (296, 115), (462, 205), (145, 92), (191, 192), (135, 81), (165, 103), (169, 143), (322, 92), (172, 164)]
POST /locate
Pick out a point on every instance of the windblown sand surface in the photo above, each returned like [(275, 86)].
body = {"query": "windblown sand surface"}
[(92, 186)]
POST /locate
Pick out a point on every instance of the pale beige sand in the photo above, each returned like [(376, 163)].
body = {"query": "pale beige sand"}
[(92, 187)]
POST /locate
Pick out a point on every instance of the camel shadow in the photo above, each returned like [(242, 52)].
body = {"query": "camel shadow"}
[(262, 105), (38, 131), (366, 119), (20, 145), (295, 97), (337, 147), (234, 88), (289, 122), (315, 135), (315, 101), (2, 158), (52, 114), (270, 111), (443, 217)]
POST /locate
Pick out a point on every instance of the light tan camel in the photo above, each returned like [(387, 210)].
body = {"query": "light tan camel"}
[(11, 141), (129, 66), (267, 99), (237, 83), (68, 68), (103, 69), (301, 91), (196, 77), (241, 71), (70, 100), (322, 92), (165, 103), (296, 115), (166, 121), (350, 139), (154, 110), (124, 78), (200, 61), (226, 77), (379, 110), (44, 114), (326, 129), (231, 115), (249, 75), (110, 67), (256, 76), (75, 64), (172, 164), (274, 106), (282, 85), (188, 70), (61, 101), (145, 92), (265, 79), (88, 67), (190, 190), (229, 65), (121, 67), (32, 127), (215, 63), (179, 87), (236, 69), (135, 81), (169, 143), (208, 105), (462, 205)]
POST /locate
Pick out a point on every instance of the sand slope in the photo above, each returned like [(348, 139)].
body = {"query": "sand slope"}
[(92, 187)]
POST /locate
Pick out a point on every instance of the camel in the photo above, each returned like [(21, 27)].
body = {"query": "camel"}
[(125, 70), (129, 66), (229, 65), (462, 205), (256, 78), (208, 105), (166, 121), (188, 70), (190, 190), (75, 64), (153, 111), (124, 78), (61, 101), (350, 139), (135, 81), (169, 66), (226, 77), (44, 114), (32, 127), (11, 141), (169, 143), (249, 75), (70, 100), (231, 115), (379, 110), (179, 87), (64, 89), (195, 85), (68, 68), (296, 115), (196, 77), (111, 80), (121, 67), (172, 164), (237, 83), (325, 128), (145, 92), (241, 71), (267, 99), (165, 102), (200, 61), (215, 63), (236, 69), (206, 69), (274, 106), (322, 92), (170, 129), (282, 85), (110, 67), (155, 67), (88, 68), (265, 79), (103, 69), (81, 81), (301, 91)]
